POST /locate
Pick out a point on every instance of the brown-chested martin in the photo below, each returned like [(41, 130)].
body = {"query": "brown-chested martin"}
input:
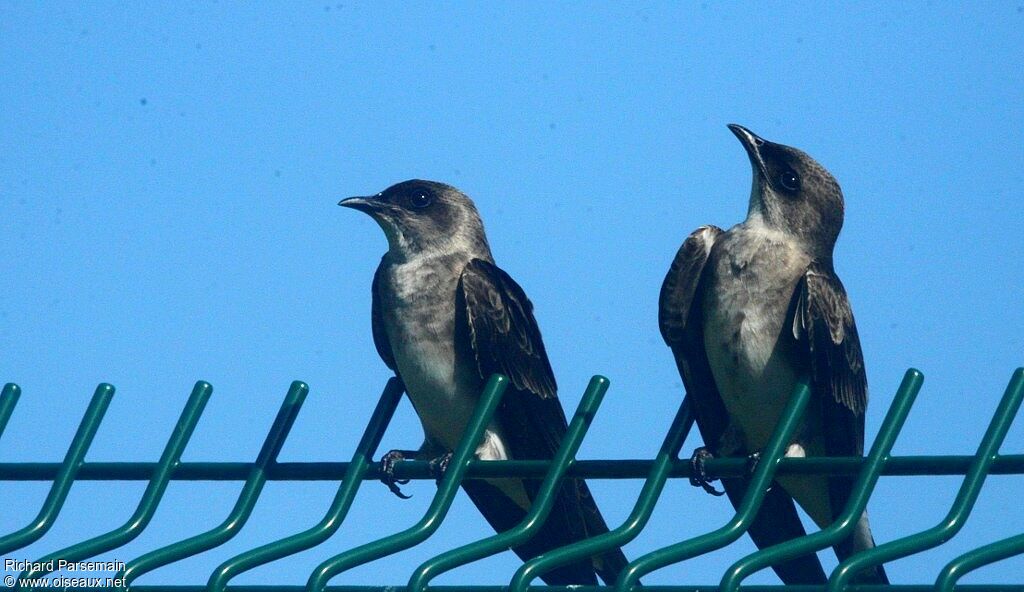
[(750, 310), (445, 318)]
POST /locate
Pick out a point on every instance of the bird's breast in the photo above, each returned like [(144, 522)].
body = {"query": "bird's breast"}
[(746, 303), (419, 310)]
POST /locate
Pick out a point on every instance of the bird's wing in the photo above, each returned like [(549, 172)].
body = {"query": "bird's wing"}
[(380, 336), (679, 317), (503, 333), (823, 324), (496, 316)]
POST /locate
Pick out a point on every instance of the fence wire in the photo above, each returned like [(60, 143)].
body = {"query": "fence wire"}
[(986, 460)]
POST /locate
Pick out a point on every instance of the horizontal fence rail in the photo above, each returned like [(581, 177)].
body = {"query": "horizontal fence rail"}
[(986, 460)]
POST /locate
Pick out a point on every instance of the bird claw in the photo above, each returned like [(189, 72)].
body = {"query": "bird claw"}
[(387, 472), (698, 474), (439, 465), (752, 459)]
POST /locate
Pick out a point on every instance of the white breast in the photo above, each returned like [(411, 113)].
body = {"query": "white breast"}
[(442, 383), (752, 354), (753, 277), (420, 321)]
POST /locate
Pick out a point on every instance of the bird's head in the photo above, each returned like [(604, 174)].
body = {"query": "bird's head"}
[(421, 217), (792, 193)]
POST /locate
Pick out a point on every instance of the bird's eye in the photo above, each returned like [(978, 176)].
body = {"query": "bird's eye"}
[(421, 199), (789, 180)]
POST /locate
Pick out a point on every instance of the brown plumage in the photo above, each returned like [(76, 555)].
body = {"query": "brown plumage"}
[(746, 312), (445, 318)]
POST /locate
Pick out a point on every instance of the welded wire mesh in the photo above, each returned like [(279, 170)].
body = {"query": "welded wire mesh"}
[(974, 468)]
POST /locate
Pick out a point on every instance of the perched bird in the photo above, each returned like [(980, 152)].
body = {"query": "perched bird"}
[(445, 318), (750, 310)]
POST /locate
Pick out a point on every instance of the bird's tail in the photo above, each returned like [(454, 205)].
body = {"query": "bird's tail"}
[(573, 517), (861, 540), (777, 522), (502, 513), (608, 565)]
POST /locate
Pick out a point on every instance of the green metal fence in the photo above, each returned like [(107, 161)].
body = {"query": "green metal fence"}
[(666, 464)]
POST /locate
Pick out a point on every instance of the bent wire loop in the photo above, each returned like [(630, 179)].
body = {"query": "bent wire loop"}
[(361, 462), (634, 524), (246, 499), (963, 504), (150, 498), (439, 506), (732, 530), (975, 468), (541, 506), (862, 489), (68, 468)]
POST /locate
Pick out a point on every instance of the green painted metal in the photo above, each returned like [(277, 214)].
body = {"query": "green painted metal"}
[(8, 399), (962, 506), (759, 483), (65, 476), (541, 505), (150, 498), (438, 509), (977, 558), (634, 524), (493, 588), (361, 462), (896, 466), (862, 490), (246, 499), (468, 588), (665, 465)]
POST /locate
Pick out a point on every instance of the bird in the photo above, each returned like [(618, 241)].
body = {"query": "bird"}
[(445, 318), (750, 310)]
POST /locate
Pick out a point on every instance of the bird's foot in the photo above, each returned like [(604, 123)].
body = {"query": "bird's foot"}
[(439, 465), (752, 459), (387, 472), (698, 475)]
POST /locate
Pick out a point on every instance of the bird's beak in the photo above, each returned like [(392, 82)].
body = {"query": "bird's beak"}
[(369, 205), (752, 143)]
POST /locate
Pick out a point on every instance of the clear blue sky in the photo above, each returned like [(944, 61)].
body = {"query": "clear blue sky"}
[(168, 181)]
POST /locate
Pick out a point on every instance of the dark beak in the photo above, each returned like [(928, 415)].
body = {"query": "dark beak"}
[(752, 143), (368, 205)]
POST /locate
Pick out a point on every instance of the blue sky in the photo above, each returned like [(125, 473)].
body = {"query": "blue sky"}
[(168, 181)]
